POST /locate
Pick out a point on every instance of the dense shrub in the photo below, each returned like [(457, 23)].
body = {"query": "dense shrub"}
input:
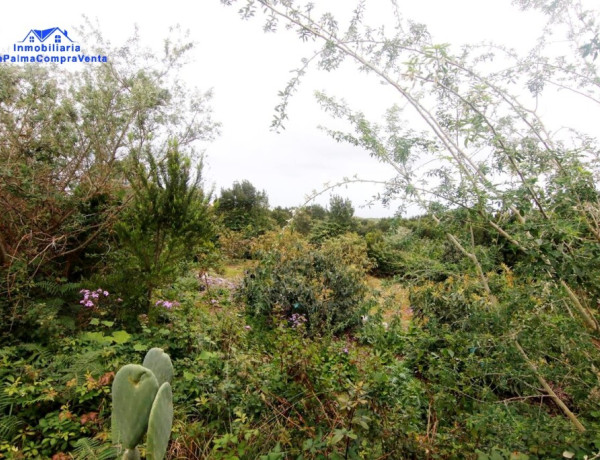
[(405, 254), (350, 249), (297, 280), (466, 348)]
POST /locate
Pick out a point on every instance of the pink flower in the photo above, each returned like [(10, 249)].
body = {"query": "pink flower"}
[(90, 298), (248, 328), (168, 304)]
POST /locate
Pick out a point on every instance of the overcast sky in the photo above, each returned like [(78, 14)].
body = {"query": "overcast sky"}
[(246, 68)]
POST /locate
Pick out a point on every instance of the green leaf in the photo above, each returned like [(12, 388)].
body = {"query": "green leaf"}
[(121, 337), (140, 347), (208, 355), (97, 337), (94, 321), (337, 437)]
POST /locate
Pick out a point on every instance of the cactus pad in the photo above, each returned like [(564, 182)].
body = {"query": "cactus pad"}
[(159, 424), (160, 364), (133, 392), (131, 454)]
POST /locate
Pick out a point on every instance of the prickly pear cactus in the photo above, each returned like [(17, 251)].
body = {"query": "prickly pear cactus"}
[(160, 364), (131, 454), (160, 422), (133, 392)]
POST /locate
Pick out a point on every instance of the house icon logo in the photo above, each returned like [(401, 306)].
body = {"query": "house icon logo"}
[(52, 35), (51, 45)]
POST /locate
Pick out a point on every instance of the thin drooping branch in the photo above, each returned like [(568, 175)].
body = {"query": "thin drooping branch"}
[(588, 318), (559, 402), (3, 255), (473, 259)]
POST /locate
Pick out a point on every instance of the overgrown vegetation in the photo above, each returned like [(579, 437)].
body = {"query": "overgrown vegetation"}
[(319, 290), (469, 331)]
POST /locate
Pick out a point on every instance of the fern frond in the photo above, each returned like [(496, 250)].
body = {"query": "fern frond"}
[(8, 352), (90, 361), (9, 425), (54, 303), (93, 449), (38, 353), (57, 290), (49, 287), (85, 448), (69, 288), (5, 400)]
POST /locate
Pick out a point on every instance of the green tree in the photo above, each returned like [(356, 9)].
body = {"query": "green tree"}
[(340, 220), (341, 212), (244, 208), (307, 217), (66, 137), (281, 215), (168, 223), (316, 212)]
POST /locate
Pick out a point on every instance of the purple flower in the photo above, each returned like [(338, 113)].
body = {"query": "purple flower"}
[(345, 350), (91, 298), (297, 320), (168, 304)]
